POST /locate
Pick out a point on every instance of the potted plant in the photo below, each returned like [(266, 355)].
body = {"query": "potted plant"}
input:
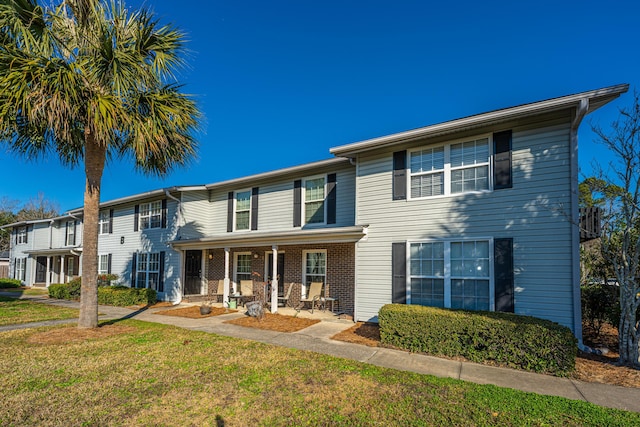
[(205, 308)]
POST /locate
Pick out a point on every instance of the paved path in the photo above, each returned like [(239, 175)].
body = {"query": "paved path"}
[(317, 338)]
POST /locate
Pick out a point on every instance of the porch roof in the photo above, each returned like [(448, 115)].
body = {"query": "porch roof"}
[(54, 251), (296, 237)]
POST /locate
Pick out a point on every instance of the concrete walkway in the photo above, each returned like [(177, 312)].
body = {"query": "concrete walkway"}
[(316, 338)]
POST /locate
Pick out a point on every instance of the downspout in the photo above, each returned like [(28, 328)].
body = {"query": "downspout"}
[(178, 221), (581, 111)]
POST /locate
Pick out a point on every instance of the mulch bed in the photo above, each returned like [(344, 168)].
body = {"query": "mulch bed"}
[(589, 367), (193, 312), (275, 322)]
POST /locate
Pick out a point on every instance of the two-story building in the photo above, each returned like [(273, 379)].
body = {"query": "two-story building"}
[(479, 213)]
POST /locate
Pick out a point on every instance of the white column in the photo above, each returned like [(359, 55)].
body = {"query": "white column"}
[(227, 282), (274, 280), (63, 277), (48, 274)]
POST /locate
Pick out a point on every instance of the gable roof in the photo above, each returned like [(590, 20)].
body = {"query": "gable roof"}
[(594, 98)]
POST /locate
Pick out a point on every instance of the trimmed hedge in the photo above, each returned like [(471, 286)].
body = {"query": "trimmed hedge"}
[(10, 283), (120, 296), (521, 342)]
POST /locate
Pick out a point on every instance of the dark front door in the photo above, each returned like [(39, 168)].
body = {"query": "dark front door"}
[(41, 269), (193, 273), (280, 272)]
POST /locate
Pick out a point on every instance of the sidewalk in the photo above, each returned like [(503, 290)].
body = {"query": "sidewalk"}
[(316, 338)]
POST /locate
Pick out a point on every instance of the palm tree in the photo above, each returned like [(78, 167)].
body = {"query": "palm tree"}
[(91, 81)]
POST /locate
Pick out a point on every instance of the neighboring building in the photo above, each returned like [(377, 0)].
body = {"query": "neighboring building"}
[(4, 264), (478, 213)]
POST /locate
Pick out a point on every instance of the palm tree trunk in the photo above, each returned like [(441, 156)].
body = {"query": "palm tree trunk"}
[(94, 158)]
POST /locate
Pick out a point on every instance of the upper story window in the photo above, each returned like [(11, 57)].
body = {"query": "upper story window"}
[(243, 210), (314, 196), (151, 215), (104, 222), (21, 238), (70, 238), (460, 167)]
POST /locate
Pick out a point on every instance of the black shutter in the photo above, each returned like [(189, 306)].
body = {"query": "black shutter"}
[(26, 239), (134, 265), (164, 213), (502, 160), (503, 264), (254, 208), (331, 198), (297, 203), (400, 175), (66, 234), (399, 269), (161, 273), (109, 264), (75, 229), (136, 217), (110, 221), (230, 212)]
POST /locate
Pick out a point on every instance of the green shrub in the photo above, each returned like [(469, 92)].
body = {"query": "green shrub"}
[(10, 283), (122, 296), (70, 291), (600, 305), (511, 340)]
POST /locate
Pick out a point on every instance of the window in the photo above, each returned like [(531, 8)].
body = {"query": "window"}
[(450, 169), (21, 267), (314, 201), (104, 222), (71, 266), (103, 264), (452, 274), (71, 233), (151, 215), (22, 236), (243, 210), (242, 266), (148, 270), (315, 267)]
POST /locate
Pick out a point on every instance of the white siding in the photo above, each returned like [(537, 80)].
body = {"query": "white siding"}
[(533, 212)]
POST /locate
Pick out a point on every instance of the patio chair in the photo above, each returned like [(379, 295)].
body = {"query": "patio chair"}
[(313, 295), (220, 291), (284, 301), (246, 290)]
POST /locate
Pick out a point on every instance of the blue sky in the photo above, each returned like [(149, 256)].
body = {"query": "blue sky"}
[(280, 82)]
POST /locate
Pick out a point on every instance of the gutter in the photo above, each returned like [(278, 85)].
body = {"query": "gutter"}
[(581, 111)]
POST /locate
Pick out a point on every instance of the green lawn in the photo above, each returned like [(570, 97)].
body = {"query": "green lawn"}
[(14, 311), (151, 374), (27, 291)]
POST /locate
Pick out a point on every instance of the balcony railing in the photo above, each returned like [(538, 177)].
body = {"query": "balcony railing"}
[(590, 223)]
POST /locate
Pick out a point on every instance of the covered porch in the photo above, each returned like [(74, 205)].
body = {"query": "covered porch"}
[(54, 266), (281, 269)]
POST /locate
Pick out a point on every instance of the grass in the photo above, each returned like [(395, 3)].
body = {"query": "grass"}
[(137, 373), (27, 291), (14, 311)]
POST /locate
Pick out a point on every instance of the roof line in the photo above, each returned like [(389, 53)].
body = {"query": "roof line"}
[(606, 94)]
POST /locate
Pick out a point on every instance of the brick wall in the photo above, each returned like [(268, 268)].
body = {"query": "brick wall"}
[(340, 274)]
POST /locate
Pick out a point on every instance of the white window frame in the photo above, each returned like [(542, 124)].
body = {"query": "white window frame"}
[(70, 235), (447, 170), (236, 278), (21, 238), (447, 276), (149, 214), (305, 201), (104, 222), (103, 264), (304, 268), (236, 210), (21, 269), (149, 269)]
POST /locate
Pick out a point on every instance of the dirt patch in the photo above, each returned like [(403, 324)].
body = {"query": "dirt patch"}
[(193, 312), (275, 322), (589, 367), (71, 334)]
